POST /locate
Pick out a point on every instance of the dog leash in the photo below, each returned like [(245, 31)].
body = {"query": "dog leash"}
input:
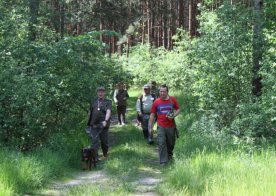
[(89, 131)]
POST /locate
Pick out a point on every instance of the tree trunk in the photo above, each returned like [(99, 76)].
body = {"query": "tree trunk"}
[(164, 25), (186, 15), (101, 22), (149, 23), (257, 48), (34, 7), (192, 18), (62, 20), (181, 13)]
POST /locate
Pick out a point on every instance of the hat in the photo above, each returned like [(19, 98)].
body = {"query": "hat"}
[(101, 88), (146, 86)]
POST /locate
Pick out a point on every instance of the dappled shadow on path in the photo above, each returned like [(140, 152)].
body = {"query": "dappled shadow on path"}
[(59, 188)]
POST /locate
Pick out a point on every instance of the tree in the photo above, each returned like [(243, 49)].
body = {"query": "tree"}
[(258, 18), (33, 11)]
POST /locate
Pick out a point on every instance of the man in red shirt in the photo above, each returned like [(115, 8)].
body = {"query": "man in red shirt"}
[(165, 108)]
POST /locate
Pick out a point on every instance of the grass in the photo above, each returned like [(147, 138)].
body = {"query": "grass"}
[(203, 165), (100, 189), (130, 158), (224, 173), (208, 164), (24, 173)]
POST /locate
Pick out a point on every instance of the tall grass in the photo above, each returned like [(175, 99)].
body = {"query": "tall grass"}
[(211, 163), (20, 174), (24, 173), (224, 173)]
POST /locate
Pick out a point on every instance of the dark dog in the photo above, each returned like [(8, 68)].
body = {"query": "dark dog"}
[(88, 156)]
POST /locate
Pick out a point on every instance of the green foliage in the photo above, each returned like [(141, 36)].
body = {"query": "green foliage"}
[(214, 72), (258, 119), (24, 173), (47, 84), (225, 173), (223, 56), (157, 64), (214, 69), (44, 86), (19, 174), (138, 62)]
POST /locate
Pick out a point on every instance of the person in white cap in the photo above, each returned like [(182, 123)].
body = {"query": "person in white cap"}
[(143, 106)]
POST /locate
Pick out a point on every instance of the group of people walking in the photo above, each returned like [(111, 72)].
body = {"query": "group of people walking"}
[(153, 106)]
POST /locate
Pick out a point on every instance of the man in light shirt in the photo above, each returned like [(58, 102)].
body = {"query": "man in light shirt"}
[(143, 106)]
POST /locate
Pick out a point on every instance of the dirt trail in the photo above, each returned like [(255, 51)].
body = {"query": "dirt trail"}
[(144, 184)]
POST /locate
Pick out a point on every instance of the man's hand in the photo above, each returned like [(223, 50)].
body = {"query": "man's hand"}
[(150, 138), (104, 123), (170, 116), (150, 130), (88, 129)]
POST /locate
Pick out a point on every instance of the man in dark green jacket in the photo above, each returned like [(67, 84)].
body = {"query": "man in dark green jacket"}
[(99, 121)]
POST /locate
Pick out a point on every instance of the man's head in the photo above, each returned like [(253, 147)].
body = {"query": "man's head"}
[(153, 84), (163, 91), (101, 92), (120, 86), (146, 88)]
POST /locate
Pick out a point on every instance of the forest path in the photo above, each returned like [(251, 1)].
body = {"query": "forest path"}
[(144, 183)]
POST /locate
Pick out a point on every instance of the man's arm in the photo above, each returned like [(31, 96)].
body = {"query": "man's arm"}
[(89, 117), (176, 112), (107, 117), (90, 112), (108, 113), (138, 106), (114, 96)]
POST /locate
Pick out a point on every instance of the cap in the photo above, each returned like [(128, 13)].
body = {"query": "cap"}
[(146, 86), (100, 88)]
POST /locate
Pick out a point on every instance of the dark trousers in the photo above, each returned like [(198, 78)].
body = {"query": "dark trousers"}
[(121, 112), (99, 136), (144, 124)]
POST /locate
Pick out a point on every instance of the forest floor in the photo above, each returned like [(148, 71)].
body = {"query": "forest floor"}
[(144, 183)]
